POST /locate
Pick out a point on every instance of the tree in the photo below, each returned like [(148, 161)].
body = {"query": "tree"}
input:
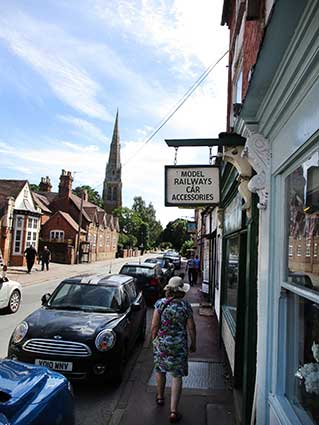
[(140, 222), (34, 187), (187, 245), (176, 233), (93, 195)]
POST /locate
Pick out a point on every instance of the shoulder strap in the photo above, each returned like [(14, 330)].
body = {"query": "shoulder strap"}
[(166, 304)]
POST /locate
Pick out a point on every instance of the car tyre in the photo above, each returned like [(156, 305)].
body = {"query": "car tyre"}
[(14, 302), (119, 367), (142, 333)]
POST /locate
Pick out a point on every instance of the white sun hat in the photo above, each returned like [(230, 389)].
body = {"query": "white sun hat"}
[(176, 284)]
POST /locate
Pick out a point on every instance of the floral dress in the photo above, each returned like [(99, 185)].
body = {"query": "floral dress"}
[(170, 346)]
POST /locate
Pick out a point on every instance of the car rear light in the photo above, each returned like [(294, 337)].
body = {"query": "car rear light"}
[(154, 282)]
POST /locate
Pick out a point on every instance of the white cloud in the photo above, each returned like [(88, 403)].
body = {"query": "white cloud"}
[(40, 45), (183, 30), (79, 148), (84, 127)]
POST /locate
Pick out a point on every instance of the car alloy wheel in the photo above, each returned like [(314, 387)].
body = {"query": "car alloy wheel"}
[(14, 301)]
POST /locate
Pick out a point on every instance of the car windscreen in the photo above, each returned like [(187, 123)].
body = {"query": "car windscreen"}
[(72, 296), (137, 271)]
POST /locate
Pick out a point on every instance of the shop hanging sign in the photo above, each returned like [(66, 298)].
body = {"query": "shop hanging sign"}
[(191, 185)]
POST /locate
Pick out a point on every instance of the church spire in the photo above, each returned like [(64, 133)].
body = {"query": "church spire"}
[(114, 158), (112, 189)]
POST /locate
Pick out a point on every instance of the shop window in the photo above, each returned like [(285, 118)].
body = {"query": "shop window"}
[(302, 386), (232, 275), (301, 285)]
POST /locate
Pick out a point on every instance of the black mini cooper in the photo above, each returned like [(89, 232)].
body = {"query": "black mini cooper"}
[(85, 329)]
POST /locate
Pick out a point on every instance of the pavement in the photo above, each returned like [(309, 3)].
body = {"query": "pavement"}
[(207, 393), (61, 271)]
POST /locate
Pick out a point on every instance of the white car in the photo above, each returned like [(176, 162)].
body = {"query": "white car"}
[(10, 294)]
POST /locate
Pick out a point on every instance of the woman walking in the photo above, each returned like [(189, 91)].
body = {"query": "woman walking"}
[(172, 318)]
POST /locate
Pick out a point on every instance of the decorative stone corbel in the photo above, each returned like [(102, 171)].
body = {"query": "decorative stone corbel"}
[(234, 156), (258, 153)]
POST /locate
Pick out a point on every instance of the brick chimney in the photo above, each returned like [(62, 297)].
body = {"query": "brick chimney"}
[(45, 184), (85, 195), (65, 186)]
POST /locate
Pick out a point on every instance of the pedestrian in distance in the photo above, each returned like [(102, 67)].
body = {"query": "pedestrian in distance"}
[(190, 269), (45, 258), (196, 269), (172, 322), (30, 254)]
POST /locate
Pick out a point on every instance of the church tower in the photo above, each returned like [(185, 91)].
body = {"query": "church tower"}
[(112, 188)]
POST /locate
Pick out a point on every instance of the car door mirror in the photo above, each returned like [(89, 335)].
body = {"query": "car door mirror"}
[(45, 298)]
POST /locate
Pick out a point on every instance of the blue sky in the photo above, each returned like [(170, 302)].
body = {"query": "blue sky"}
[(67, 65)]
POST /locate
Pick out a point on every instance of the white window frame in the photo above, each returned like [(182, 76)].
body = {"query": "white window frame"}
[(308, 248), (58, 233), (32, 231), (290, 250), (18, 228)]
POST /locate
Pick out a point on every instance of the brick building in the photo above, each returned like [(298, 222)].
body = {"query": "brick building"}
[(95, 239), (19, 221)]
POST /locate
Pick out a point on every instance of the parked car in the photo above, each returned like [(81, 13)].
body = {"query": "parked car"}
[(85, 329), (300, 278), (10, 293), (174, 257), (149, 278), (33, 395), (166, 265)]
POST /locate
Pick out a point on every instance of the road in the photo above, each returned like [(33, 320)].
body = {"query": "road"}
[(93, 404)]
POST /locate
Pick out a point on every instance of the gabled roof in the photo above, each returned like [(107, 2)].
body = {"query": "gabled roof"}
[(77, 202), (41, 201), (50, 196), (68, 219), (109, 221), (11, 187), (116, 223), (101, 215), (91, 212)]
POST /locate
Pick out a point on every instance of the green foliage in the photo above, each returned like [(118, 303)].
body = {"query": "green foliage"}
[(34, 187), (126, 241), (93, 195), (189, 244), (176, 233), (139, 222)]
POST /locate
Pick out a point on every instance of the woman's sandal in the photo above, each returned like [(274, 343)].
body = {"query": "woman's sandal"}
[(159, 401), (175, 417)]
